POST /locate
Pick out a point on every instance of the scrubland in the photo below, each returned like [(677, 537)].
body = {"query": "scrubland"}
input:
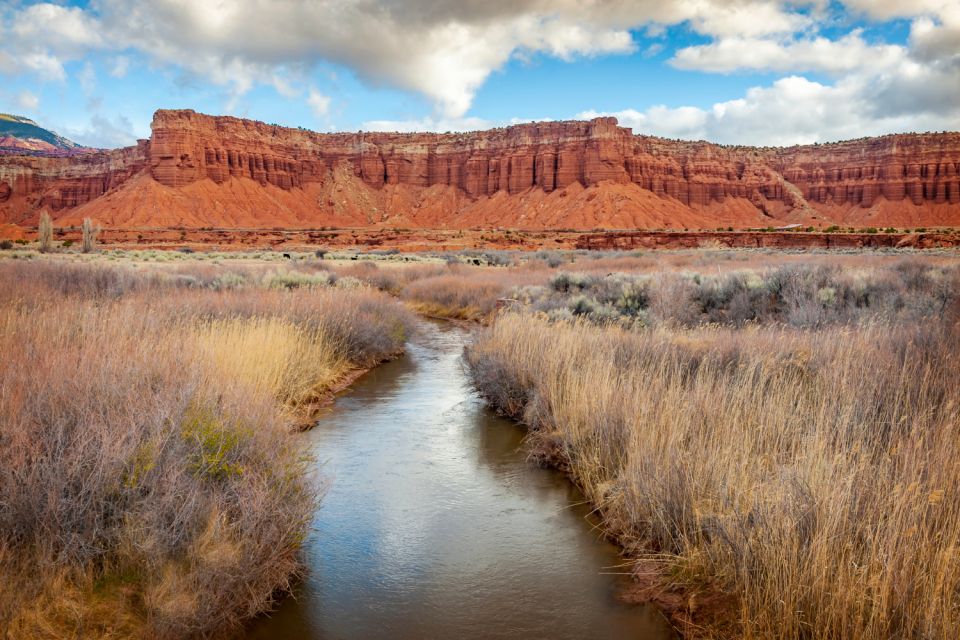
[(777, 448), (150, 484), (773, 437)]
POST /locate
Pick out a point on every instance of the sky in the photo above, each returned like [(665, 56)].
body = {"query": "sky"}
[(760, 72)]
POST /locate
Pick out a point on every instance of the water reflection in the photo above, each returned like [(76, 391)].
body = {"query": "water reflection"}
[(436, 526)]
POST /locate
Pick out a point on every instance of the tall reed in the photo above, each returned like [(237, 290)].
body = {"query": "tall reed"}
[(812, 474)]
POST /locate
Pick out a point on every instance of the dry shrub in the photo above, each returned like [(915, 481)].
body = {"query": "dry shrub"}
[(814, 475), (467, 293), (149, 485)]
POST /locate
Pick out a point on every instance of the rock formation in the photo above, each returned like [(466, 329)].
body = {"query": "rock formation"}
[(205, 171)]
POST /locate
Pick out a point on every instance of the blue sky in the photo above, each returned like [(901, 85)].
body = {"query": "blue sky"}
[(757, 72)]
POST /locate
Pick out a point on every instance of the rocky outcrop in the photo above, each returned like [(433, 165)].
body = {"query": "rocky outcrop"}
[(29, 184), (187, 146), (580, 174), (552, 155)]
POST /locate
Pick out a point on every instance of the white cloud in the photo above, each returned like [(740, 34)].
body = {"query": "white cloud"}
[(8, 65), (887, 9), (103, 132), (748, 19), (26, 101), (319, 103), (793, 110), (879, 87), (444, 51), (681, 122), (447, 50), (64, 31), (932, 39), (849, 53), (46, 66), (439, 125), (120, 67)]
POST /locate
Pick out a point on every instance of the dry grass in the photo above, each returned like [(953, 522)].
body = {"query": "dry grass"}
[(812, 474), (464, 296), (149, 485), (275, 356)]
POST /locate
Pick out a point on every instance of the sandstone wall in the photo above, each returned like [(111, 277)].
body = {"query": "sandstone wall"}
[(187, 146), (745, 183), (29, 183)]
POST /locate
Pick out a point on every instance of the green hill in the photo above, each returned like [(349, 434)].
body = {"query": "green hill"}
[(19, 133)]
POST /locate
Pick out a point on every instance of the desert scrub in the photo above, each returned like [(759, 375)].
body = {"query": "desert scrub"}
[(801, 296), (469, 293), (810, 475), (149, 482)]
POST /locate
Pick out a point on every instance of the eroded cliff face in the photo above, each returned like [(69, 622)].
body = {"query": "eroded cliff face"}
[(224, 171), (187, 147), (29, 184)]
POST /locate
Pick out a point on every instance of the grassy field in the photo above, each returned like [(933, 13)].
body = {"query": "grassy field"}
[(772, 436), (777, 447), (149, 482)]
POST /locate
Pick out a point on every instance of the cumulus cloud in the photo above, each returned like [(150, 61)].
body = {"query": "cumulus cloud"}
[(444, 51), (447, 50), (68, 31), (846, 54), (793, 110), (935, 39), (26, 101), (887, 9), (878, 87)]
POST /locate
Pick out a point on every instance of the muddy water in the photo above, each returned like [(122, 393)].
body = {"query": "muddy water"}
[(436, 525)]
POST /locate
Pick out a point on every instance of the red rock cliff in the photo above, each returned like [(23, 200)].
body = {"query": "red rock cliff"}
[(29, 184), (187, 146), (206, 170)]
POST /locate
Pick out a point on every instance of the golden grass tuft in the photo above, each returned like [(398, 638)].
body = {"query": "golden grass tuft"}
[(294, 364)]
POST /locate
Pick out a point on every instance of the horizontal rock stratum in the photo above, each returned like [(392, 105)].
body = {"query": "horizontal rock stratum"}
[(217, 171)]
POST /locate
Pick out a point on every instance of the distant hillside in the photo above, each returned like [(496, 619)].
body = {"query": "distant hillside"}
[(23, 136)]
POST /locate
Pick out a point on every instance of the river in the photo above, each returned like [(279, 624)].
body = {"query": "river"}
[(435, 524)]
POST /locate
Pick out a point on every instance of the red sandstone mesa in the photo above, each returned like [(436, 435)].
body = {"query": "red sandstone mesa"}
[(204, 171)]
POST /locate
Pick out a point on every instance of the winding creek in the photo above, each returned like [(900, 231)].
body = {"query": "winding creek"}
[(436, 526)]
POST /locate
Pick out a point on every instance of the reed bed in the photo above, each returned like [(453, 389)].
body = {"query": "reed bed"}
[(810, 475), (149, 482)]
